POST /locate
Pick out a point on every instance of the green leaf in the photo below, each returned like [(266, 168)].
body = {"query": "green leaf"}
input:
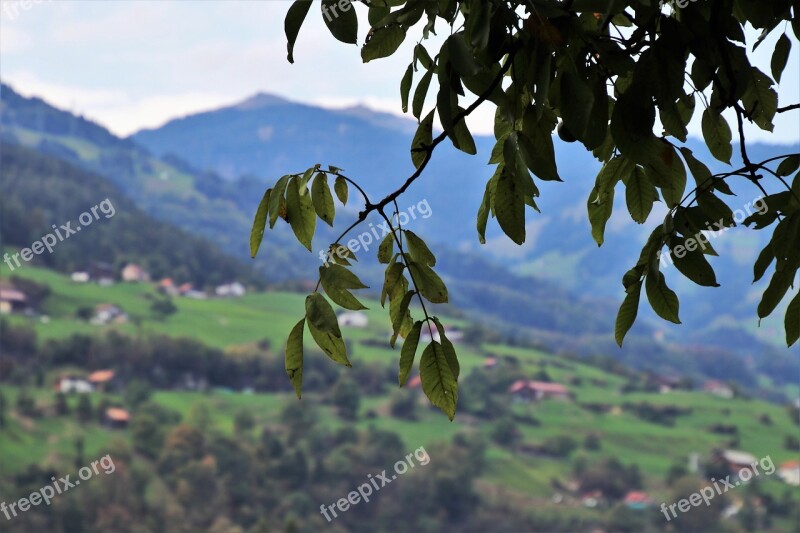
[(422, 140), (536, 146), (760, 99), (277, 201), (341, 19), (418, 250), (461, 56), (485, 208), (667, 172), (509, 207), (420, 93), (640, 194), (626, 315), (792, 321), (449, 349), (662, 299), (259, 224), (578, 100), (400, 315), (409, 352), (291, 24), (774, 293), (600, 206), (438, 382), (429, 284), (324, 327), (690, 260), (323, 201), (461, 136), (788, 165), (717, 135), (294, 357), (382, 42), (340, 188), (405, 86), (300, 211), (337, 281), (762, 263), (392, 276), (386, 249), (780, 56)]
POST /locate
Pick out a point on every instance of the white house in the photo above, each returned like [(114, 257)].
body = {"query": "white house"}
[(70, 384), (230, 290), (79, 277), (354, 319)]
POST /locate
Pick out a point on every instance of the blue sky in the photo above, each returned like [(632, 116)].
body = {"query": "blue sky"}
[(130, 64)]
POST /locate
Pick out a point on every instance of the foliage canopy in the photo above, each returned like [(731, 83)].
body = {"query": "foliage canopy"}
[(623, 78)]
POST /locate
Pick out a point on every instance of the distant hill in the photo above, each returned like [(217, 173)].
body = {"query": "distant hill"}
[(40, 191)]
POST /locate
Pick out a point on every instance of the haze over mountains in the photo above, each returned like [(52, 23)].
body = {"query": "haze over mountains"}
[(205, 174), (268, 136)]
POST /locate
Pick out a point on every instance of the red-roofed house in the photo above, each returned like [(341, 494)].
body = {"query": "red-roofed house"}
[(789, 472), (637, 499), (538, 390), (167, 286), (117, 418), (101, 379)]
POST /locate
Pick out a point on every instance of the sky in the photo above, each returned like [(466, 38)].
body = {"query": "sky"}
[(133, 64)]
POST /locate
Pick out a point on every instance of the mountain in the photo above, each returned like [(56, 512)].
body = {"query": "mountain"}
[(270, 136)]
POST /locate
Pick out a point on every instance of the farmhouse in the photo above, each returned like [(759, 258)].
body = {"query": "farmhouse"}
[(102, 273), (68, 384), (789, 472), (718, 388), (12, 300), (230, 290), (526, 390), (134, 273), (101, 379), (79, 277), (638, 500), (167, 286), (108, 313), (117, 418), (738, 461)]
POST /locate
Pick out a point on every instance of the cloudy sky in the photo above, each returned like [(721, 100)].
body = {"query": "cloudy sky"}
[(131, 64)]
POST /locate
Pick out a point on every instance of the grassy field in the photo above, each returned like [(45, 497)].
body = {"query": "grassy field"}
[(229, 322)]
